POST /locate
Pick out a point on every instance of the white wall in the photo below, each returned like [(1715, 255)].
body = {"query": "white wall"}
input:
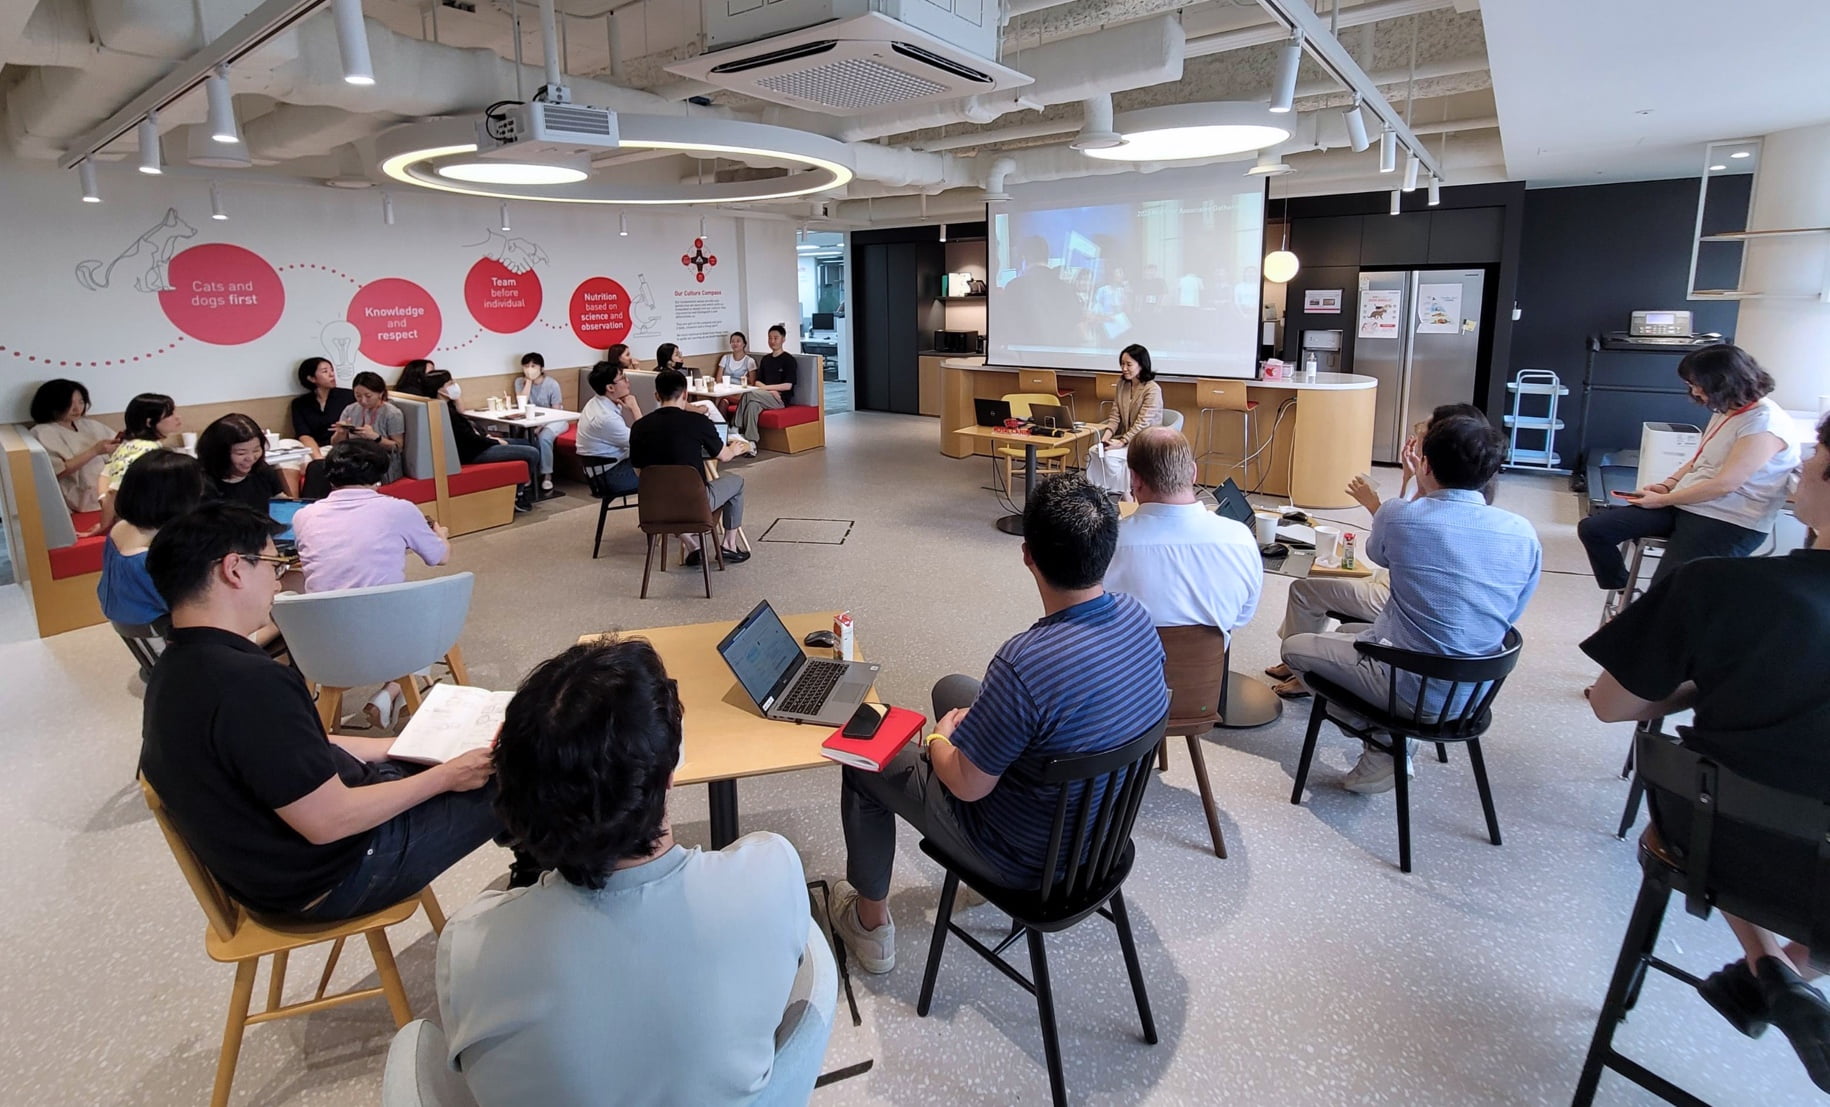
[(81, 295), (1790, 337)]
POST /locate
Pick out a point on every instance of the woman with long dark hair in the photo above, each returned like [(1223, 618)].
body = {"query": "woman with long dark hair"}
[(79, 446), (1139, 405), (233, 452), (1723, 501)]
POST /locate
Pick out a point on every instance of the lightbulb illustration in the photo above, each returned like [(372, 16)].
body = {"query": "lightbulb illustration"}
[(341, 340)]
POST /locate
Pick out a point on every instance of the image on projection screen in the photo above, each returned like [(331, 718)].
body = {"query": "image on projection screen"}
[(1073, 283)]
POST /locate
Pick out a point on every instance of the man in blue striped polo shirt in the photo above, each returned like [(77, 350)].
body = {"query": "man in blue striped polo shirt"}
[(1088, 676)]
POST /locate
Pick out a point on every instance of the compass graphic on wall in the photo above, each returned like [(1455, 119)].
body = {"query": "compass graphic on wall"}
[(699, 259)]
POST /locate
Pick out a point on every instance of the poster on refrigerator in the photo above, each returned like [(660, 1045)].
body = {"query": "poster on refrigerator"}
[(1438, 308), (1379, 311)]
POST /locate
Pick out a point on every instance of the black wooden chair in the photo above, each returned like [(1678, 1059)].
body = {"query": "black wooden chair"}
[(1705, 800), (1636, 791), (597, 470), (1089, 855), (1473, 680)]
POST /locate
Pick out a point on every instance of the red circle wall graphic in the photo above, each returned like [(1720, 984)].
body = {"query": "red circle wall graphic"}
[(397, 319), (222, 294), (600, 312), (501, 299)]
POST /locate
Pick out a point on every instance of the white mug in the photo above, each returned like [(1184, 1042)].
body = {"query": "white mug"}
[(1327, 545), (1265, 523)]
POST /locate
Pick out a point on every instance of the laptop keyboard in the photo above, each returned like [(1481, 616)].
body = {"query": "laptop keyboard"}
[(810, 691)]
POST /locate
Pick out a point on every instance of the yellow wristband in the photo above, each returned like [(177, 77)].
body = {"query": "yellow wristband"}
[(933, 738)]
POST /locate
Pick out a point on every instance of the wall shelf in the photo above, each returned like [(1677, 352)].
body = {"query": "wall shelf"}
[(962, 299), (1750, 236), (1738, 294)]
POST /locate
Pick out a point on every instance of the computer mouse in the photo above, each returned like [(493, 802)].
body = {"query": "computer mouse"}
[(824, 638), (1298, 518)]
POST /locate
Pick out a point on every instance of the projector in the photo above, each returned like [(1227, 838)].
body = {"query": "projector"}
[(540, 131)]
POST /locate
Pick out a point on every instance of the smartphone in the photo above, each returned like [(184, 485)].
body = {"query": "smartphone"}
[(865, 721), (1626, 495)]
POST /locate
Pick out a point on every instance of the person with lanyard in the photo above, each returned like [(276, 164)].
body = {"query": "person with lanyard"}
[(774, 385), (373, 419), (1724, 500)]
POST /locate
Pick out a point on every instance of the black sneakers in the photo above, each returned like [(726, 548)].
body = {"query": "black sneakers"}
[(1801, 1014), (1736, 996)]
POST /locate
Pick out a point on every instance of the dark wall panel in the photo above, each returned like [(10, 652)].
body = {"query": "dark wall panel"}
[(1472, 236), (1396, 241)]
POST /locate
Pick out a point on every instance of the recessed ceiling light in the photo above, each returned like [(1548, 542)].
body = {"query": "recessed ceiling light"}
[(1717, 168), (1181, 132), (511, 173), (1741, 154)]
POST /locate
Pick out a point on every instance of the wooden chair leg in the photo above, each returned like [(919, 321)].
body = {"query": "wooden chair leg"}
[(1486, 791), (1162, 756), (330, 707), (330, 966), (434, 913), (648, 564), (1316, 714), (409, 693), (233, 1030), (1207, 795), (949, 890), (1045, 1012), (276, 980), (391, 985), (1403, 779), (454, 660)]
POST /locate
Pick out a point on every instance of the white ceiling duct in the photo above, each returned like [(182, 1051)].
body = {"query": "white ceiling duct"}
[(56, 34), (1377, 11)]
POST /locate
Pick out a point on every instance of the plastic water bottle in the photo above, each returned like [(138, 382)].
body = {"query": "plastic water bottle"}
[(1309, 368)]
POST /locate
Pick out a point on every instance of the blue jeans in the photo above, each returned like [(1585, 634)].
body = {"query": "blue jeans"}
[(515, 451), (544, 441), (1687, 536), (405, 853)]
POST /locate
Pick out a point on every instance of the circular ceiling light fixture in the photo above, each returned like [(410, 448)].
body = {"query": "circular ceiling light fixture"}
[(511, 173), (1184, 132), (425, 154)]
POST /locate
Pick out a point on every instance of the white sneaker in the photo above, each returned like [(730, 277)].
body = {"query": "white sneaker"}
[(546, 484), (1373, 774), (873, 950)]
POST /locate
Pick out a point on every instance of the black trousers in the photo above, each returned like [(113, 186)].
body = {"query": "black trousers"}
[(1687, 535)]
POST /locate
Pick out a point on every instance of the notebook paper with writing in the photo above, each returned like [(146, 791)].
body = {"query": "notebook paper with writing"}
[(451, 720), (873, 753)]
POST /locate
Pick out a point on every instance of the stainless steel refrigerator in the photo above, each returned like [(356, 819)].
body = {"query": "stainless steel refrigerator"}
[(1418, 332)]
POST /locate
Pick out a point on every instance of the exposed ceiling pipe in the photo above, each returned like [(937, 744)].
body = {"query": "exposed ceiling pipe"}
[(1014, 8), (1096, 131), (1014, 133), (995, 181), (1377, 11), (57, 33)]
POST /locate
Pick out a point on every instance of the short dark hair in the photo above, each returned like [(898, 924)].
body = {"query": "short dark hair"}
[(183, 551), (1464, 451), (1142, 357), (532, 358), (372, 381), (584, 755), (1823, 439), (309, 369), (144, 414), (669, 383), (222, 436), (603, 375), (356, 462), (664, 354), (158, 488), (1071, 529), (740, 334), (54, 397), (1727, 375), (1444, 411), (777, 328)]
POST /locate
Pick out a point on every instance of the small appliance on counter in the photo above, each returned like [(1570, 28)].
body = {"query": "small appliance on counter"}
[(1664, 323), (958, 342), (1671, 329)]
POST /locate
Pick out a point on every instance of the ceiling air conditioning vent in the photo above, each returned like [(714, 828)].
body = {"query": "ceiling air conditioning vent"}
[(848, 66)]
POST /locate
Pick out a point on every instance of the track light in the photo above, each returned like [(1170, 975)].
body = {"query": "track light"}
[(387, 209), (216, 211), (622, 224), (85, 172), (504, 212), (1356, 126), (702, 228), (1283, 91), (222, 107), (943, 232), (1395, 201), (1410, 172), (1388, 150), (1435, 190), (353, 42), (151, 159)]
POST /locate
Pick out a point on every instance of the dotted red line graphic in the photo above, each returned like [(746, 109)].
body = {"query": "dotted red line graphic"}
[(321, 268), (471, 341), (79, 363)]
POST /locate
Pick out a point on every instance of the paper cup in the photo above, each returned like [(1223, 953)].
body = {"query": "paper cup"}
[(1327, 545), (1265, 524)]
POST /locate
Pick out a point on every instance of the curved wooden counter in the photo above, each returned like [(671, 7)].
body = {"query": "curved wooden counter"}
[(1324, 440)]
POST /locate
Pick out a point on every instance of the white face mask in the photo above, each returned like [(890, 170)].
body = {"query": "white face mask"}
[(451, 391)]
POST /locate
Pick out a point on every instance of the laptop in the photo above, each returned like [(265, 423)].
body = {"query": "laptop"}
[(281, 512), (1230, 503), (1052, 418), (991, 413), (787, 684)]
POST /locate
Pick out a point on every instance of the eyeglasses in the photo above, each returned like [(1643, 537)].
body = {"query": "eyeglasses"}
[(280, 564)]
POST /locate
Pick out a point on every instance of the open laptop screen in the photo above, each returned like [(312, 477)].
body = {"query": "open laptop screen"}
[(282, 512), (1230, 503), (759, 650)]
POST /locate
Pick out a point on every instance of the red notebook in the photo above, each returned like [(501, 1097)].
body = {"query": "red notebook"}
[(873, 753)]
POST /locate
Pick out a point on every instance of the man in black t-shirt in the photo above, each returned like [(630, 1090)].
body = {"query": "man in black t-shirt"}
[(775, 375), (674, 434), (1742, 642), (290, 821)]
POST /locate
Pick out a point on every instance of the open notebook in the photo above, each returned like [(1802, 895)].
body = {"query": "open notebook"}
[(451, 720)]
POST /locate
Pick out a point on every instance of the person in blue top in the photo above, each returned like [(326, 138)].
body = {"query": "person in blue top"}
[(160, 487), (1461, 570), (1087, 676), (541, 391)]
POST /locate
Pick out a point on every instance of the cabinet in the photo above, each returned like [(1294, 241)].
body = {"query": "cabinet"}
[(927, 401)]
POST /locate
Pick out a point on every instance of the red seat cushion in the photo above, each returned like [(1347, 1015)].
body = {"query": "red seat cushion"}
[(483, 476), (413, 490), (84, 557), (792, 416), (83, 520), (567, 443)]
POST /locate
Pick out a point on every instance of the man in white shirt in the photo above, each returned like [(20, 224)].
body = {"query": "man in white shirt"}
[(603, 429), (1185, 564)]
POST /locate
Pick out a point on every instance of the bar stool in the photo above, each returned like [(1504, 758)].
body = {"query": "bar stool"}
[(1105, 389), (1044, 381), (1618, 598), (1223, 397)]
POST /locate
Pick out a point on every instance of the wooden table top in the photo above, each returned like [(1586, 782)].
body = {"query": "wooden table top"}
[(725, 736), (1042, 441)]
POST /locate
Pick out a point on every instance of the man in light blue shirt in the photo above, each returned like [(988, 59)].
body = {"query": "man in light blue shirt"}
[(1461, 573), (603, 429)]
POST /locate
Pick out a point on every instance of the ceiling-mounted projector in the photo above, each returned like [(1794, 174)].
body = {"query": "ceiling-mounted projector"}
[(539, 131)]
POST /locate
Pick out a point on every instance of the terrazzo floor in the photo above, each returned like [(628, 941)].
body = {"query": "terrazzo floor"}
[(1305, 969)]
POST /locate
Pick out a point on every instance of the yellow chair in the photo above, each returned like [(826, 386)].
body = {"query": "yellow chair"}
[(1225, 397), (1049, 459), (236, 936)]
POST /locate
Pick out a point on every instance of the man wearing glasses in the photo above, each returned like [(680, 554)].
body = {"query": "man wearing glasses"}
[(290, 821)]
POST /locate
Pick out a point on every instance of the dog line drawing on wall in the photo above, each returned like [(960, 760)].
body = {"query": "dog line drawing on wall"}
[(517, 255), (155, 248)]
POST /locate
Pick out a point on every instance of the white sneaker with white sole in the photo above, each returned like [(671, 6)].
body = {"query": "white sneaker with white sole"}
[(1373, 774), (873, 950)]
